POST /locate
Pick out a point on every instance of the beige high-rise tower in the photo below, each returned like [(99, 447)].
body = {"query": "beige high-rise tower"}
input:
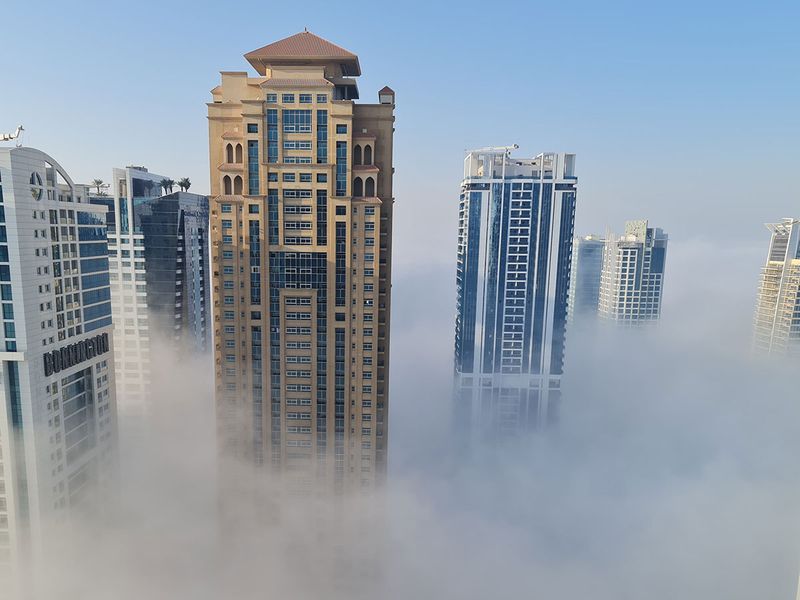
[(301, 230)]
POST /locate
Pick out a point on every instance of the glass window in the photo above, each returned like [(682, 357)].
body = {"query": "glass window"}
[(322, 177), (322, 98), (287, 98), (272, 98), (341, 128), (252, 128), (305, 98)]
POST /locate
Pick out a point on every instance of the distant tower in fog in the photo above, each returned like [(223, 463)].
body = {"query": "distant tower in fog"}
[(584, 283), (777, 319), (514, 250), (632, 280)]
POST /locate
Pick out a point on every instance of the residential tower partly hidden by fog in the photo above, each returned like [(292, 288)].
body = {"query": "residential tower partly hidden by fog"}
[(158, 247), (58, 429), (777, 319), (632, 279), (584, 282), (515, 233), (301, 217)]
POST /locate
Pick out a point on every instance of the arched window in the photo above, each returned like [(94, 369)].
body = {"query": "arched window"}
[(367, 155), (238, 153), (229, 153), (357, 155), (237, 185), (226, 182), (358, 187), (369, 188)]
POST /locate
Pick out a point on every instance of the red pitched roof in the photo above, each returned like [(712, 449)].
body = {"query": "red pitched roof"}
[(304, 44), (386, 90)]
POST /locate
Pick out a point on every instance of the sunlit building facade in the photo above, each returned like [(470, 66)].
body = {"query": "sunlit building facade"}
[(632, 280), (515, 236), (777, 318), (301, 216), (58, 429)]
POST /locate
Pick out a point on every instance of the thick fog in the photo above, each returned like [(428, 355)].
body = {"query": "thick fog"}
[(671, 474)]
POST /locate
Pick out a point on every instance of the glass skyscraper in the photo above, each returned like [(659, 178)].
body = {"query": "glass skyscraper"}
[(515, 238), (587, 268), (158, 252)]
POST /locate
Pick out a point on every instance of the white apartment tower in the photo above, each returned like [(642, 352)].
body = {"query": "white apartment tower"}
[(632, 279), (777, 318), (58, 430)]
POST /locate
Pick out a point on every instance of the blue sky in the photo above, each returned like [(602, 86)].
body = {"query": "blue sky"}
[(683, 112)]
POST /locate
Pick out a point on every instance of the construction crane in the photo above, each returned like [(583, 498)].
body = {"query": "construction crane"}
[(7, 137)]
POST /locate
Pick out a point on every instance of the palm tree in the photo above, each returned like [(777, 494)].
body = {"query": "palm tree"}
[(184, 184), (167, 185), (98, 185)]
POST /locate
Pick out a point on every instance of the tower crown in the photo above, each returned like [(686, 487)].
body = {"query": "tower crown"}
[(304, 48)]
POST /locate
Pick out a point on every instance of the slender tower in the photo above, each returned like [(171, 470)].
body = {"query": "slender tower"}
[(301, 217), (584, 282), (514, 250), (777, 318)]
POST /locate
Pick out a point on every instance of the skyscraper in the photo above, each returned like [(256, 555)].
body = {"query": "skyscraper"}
[(514, 249), (777, 318), (301, 179), (584, 283), (57, 397), (158, 248), (632, 281)]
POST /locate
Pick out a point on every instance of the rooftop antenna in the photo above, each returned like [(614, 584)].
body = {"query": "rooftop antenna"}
[(7, 137)]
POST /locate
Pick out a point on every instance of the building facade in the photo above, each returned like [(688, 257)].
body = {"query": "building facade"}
[(158, 249), (58, 430), (584, 283), (301, 180), (777, 318), (515, 235), (632, 280)]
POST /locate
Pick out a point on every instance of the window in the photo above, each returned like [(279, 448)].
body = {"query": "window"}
[(252, 128), (287, 98), (322, 98), (369, 211), (272, 98), (297, 121), (322, 137), (341, 128), (305, 177), (341, 210), (322, 178), (227, 223), (305, 98), (272, 177), (272, 135), (288, 177), (253, 209), (226, 208)]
